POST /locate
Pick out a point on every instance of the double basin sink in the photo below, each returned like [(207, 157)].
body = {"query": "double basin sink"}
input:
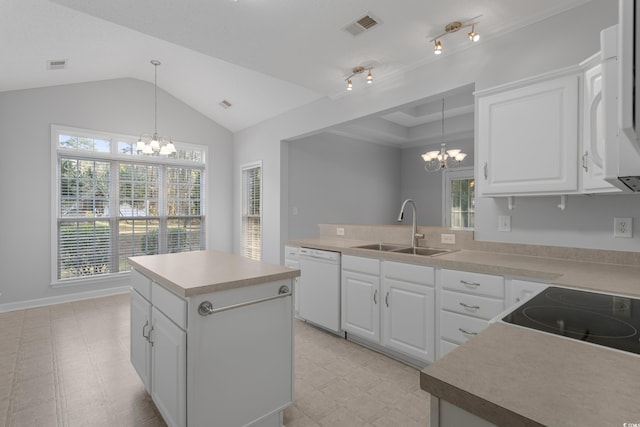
[(385, 247)]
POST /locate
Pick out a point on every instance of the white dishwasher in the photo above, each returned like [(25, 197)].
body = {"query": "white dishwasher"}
[(320, 288)]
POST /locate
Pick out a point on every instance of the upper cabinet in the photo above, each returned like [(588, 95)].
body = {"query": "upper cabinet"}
[(544, 135), (527, 140), (593, 130)]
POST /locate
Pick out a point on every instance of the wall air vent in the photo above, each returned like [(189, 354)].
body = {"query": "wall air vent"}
[(56, 64), (361, 25), (225, 104)]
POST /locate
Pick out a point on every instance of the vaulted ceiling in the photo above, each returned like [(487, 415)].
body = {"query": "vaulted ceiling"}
[(263, 57)]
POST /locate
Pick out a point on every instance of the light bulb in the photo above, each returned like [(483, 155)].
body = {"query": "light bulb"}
[(171, 148), (349, 85), (438, 47), (473, 36), (453, 153), (140, 145), (369, 78), (460, 157)]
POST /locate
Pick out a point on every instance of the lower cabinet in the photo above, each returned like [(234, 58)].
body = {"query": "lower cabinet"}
[(390, 304), (230, 367), (467, 302)]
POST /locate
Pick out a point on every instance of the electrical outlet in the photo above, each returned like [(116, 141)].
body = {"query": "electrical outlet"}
[(623, 227), (449, 239), (504, 223), (340, 231), (294, 210)]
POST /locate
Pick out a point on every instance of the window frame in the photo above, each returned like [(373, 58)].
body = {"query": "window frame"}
[(115, 158), (448, 176), (243, 168)]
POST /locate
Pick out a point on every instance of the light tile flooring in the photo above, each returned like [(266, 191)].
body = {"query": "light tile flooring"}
[(68, 365)]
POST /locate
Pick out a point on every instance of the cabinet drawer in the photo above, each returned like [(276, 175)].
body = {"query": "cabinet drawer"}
[(472, 305), (361, 264), (473, 283), (174, 307), (420, 274), (140, 283), (458, 328)]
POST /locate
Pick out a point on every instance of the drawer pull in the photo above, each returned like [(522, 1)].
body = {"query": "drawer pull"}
[(464, 331), (375, 297), (386, 299), (464, 282), (470, 307)]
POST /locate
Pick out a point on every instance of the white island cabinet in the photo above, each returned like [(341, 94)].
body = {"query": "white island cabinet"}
[(212, 337)]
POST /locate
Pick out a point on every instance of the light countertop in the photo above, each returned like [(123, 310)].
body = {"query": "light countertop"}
[(200, 272), (613, 278), (513, 376)]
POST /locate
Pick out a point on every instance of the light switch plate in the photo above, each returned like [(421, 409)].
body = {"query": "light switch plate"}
[(504, 223), (623, 227), (340, 231)]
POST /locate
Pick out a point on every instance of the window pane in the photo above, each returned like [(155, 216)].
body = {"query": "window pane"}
[(462, 204), (84, 188), (251, 212), (138, 190), (184, 234), (137, 237), (184, 191), (84, 248)]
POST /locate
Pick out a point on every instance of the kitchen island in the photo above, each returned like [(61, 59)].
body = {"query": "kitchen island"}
[(212, 337)]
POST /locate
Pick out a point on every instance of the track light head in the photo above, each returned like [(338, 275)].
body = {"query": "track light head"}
[(473, 36), (349, 85), (437, 48)]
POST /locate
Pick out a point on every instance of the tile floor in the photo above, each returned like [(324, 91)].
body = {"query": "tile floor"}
[(68, 365)]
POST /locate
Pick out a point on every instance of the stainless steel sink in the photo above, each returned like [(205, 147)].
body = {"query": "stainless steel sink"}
[(423, 251), (399, 249), (382, 247)]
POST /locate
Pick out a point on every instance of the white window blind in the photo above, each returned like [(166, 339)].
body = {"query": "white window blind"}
[(112, 203), (252, 211)]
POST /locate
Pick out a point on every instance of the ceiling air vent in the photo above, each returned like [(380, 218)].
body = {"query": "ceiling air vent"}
[(361, 25), (56, 64), (225, 104)]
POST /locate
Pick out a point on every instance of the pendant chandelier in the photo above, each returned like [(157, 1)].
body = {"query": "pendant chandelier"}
[(155, 144), (443, 159)]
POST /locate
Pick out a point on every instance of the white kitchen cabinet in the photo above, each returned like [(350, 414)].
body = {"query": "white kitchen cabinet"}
[(231, 364), (527, 136), (593, 130), (522, 290), (390, 304), (139, 344), (467, 302), (168, 368), (408, 316), (361, 297)]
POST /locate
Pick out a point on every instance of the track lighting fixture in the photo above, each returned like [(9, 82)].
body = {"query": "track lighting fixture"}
[(453, 27), (359, 70)]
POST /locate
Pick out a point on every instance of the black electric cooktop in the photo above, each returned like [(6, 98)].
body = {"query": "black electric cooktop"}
[(608, 320)]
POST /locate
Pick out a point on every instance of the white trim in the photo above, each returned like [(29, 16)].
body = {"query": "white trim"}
[(41, 302)]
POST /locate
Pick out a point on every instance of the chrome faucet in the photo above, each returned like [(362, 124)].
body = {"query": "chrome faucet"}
[(414, 227)]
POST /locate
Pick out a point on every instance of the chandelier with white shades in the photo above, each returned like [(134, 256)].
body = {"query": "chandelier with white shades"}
[(155, 144), (443, 159)]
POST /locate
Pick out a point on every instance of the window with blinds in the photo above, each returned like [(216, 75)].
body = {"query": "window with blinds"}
[(113, 203), (252, 210), (460, 199)]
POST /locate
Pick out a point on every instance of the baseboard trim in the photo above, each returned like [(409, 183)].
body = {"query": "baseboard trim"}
[(41, 302)]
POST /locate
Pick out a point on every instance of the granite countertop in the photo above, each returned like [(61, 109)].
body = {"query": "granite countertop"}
[(200, 272), (513, 376), (613, 278)]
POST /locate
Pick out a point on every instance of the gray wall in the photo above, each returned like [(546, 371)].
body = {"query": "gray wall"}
[(122, 106), (340, 180)]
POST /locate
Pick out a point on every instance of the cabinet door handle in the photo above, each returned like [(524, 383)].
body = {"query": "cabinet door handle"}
[(464, 331), (593, 137), (146, 336), (464, 282), (149, 336), (375, 297), (486, 170), (585, 164), (386, 299), (470, 307)]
